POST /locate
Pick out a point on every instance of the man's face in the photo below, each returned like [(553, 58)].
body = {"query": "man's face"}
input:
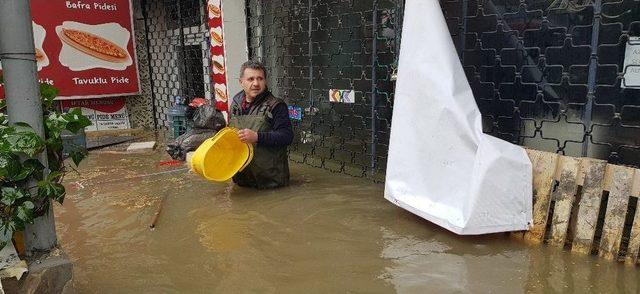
[(253, 83)]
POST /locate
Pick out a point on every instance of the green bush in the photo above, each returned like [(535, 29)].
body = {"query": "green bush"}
[(21, 201)]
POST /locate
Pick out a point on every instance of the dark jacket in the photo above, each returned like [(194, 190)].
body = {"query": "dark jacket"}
[(281, 134)]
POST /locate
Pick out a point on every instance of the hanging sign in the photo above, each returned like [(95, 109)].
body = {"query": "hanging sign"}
[(86, 49), (218, 68)]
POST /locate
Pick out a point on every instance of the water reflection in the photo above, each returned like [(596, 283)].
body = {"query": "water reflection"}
[(445, 265)]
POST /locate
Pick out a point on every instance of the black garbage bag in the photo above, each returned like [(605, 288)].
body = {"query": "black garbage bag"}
[(207, 121), (208, 117), (191, 110), (188, 142)]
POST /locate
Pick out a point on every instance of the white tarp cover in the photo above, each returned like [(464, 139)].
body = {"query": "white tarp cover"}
[(441, 166)]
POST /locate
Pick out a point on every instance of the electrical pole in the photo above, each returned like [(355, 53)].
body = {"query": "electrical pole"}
[(22, 95)]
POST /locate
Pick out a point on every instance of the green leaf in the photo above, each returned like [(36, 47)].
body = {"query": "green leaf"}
[(25, 140), (27, 168), (77, 156), (34, 166), (24, 173), (25, 211), (10, 195), (60, 197), (55, 123), (13, 226), (55, 160), (76, 120), (54, 176), (55, 143), (6, 129), (50, 188), (28, 143), (48, 93), (10, 165)]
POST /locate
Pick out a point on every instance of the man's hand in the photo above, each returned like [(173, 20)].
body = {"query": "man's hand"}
[(248, 136)]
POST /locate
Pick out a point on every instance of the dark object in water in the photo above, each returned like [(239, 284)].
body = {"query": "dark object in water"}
[(207, 121), (157, 214)]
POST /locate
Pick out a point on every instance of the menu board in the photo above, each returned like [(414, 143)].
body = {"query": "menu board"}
[(86, 49)]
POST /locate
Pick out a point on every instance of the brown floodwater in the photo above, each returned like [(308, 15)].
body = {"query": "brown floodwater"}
[(326, 233)]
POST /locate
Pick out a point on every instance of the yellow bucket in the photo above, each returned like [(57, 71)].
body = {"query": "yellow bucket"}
[(219, 158)]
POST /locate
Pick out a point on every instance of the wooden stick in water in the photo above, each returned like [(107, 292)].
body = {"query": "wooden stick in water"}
[(157, 214)]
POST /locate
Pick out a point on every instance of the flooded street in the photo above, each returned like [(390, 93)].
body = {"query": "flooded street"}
[(326, 233)]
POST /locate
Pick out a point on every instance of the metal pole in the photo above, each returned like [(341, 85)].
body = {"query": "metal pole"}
[(23, 97), (247, 9), (310, 24), (374, 86), (591, 82), (154, 108), (184, 73)]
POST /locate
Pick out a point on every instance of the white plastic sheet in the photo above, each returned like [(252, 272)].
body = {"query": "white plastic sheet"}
[(441, 166)]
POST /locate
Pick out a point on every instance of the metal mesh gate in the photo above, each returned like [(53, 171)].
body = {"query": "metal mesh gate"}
[(545, 74), (548, 74), (310, 47), (179, 52)]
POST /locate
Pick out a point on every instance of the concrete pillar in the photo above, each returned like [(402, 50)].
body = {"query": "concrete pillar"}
[(235, 41), (23, 96)]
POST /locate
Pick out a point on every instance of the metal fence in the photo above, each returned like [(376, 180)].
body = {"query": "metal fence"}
[(312, 46), (545, 74), (549, 74), (178, 50)]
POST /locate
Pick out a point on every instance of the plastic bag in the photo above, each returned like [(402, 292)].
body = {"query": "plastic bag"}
[(188, 142), (440, 165), (207, 117), (207, 121)]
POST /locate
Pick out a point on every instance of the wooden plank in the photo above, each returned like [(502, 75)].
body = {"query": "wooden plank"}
[(584, 164), (564, 197), (620, 189), (634, 238), (608, 177), (635, 190), (589, 205), (544, 166)]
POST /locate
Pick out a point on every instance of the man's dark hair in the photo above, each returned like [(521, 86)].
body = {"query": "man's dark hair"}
[(252, 64)]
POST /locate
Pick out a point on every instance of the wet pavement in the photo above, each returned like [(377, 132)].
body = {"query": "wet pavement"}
[(326, 233)]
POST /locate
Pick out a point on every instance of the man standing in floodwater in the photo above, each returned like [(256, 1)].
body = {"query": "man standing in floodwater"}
[(263, 120)]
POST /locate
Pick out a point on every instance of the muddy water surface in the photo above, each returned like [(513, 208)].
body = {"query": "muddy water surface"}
[(327, 233)]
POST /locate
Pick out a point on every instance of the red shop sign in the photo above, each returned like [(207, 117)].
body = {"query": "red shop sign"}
[(85, 48)]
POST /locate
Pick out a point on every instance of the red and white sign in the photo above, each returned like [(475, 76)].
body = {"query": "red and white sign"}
[(105, 114), (219, 71), (86, 48)]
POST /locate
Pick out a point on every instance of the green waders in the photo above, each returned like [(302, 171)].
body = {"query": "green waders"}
[(270, 166)]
